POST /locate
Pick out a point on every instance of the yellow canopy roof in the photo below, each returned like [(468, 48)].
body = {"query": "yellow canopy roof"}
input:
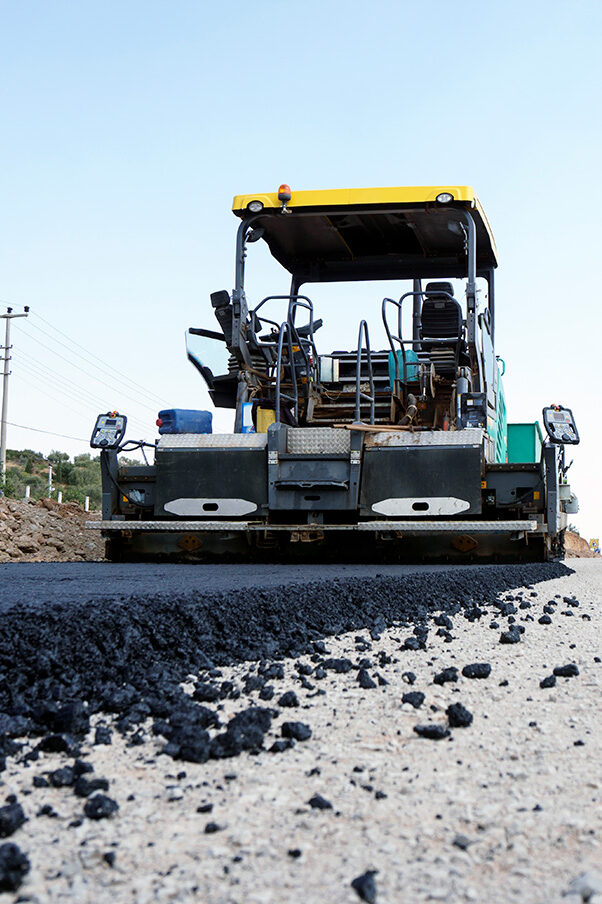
[(371, 233), (355, 197)]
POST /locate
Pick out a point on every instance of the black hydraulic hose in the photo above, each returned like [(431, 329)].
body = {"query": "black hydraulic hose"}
[(131, 501), (411, 410)]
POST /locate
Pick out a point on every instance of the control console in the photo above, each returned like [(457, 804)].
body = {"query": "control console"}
[(109, 431), (560, 425)]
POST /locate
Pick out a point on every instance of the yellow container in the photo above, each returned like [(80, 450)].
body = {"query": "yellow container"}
[(265, 417)]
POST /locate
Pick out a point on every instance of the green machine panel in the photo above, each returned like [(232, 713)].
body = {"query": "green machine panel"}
[(524, 442)]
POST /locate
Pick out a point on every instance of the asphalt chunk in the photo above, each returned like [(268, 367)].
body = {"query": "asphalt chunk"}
[(477, 670), (566, 671), (549, 681), (446, 675), (14, 866), (433, 731), (317, 802), (245, 731), (304, 668), (462, 842), (211, 828), (47, 810), (414, 698), (55, 743), (295, 853), (253, 683), (544, 620), (364, 680), (409, 677), (266, 692), (281, 745), (85, 786), (458, 716), (299, 731), (206, 693), (365, 886), (103, 735), (512, 635), (100, 807), (62, 778), (12, 818), (288, 699), (274, 671), (341, 666)]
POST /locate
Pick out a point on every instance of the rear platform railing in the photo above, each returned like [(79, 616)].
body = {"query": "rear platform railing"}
[(415, 345), (289, 332), (359, 394)]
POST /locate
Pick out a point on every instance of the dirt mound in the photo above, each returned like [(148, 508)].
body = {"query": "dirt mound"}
[(577, 547), (47, 531)]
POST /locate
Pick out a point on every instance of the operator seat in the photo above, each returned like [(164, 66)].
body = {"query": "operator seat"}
[(441, 318)]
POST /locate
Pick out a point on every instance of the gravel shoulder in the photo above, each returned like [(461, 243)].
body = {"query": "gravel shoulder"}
[(505, 810)]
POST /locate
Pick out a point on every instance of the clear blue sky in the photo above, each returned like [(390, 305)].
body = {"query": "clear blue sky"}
[(128, 127)]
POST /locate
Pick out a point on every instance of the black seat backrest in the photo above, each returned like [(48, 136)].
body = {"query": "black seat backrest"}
[(441, 315)]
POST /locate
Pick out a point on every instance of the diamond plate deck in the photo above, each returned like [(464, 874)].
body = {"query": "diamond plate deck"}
[(406, 527), (317, 441), (213, 441)]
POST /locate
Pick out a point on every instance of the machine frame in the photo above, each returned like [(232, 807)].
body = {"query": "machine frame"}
[(413, 457)]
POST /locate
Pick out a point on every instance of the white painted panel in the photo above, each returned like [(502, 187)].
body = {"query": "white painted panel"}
[(227, 507), (437, 505)]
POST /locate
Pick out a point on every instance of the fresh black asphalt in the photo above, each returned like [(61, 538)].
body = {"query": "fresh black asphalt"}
[(38, 583)]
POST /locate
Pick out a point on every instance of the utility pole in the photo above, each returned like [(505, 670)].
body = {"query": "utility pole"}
[(6, 349)]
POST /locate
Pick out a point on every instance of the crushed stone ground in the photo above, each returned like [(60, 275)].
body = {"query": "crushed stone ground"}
[(47, 531), (504, 809)]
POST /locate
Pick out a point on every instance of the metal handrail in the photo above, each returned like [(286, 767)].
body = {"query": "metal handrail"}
[(294, 302), (416, 345), (391, 337), (302, 301), (291, 332), (359, 395)]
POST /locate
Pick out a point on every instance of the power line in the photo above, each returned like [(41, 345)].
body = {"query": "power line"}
[(90, 354), (77, 439), (82, 404), (61, 402), (63, 384), (107, 373), (87, 373)]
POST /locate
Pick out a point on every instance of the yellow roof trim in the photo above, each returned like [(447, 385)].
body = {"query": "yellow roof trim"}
[(352, 197)]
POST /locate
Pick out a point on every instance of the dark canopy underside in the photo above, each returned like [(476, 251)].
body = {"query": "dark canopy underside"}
[(421, 241)]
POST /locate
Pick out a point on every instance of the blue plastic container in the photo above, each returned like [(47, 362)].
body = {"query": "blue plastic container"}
[(183, 420), (412, 369)]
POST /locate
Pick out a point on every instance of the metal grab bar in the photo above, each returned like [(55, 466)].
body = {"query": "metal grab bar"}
[(391, 337), (294, 301), (291, 333), (359, 395), (411, 342)]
